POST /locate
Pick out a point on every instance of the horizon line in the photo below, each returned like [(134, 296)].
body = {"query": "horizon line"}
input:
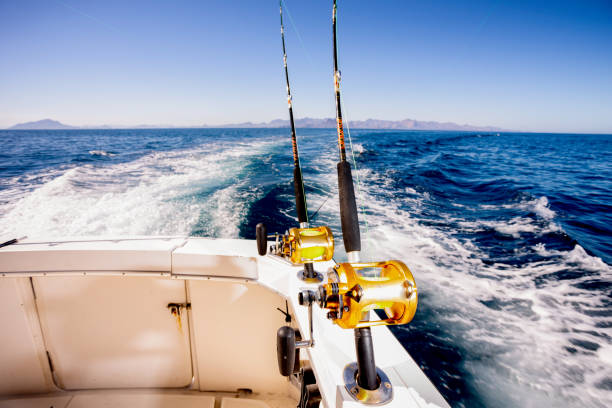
[(253, 125)]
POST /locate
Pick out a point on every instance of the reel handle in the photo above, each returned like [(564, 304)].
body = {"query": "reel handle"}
[(285, 350), (286, 343), (262, 238)]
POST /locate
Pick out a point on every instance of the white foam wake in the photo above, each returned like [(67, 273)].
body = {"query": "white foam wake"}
[(538, 206), (154, 195), (539, 342), (531, 338), (101, 153)]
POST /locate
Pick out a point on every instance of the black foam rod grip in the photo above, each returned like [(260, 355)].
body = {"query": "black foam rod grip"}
[(348, 208), (300, 198), (285, 350), (262, 238)]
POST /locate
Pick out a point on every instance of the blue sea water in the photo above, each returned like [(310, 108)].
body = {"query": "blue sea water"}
[(509, 235)]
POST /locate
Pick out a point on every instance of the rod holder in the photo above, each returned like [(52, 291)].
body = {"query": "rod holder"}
[(381, 395), (309, 275)]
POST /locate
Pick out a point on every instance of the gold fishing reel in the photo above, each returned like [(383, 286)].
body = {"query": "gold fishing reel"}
[(300, 246), (310, 244), (305, 245), (354, 289)]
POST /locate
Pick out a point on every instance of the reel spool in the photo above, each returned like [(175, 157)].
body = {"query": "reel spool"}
[(350, 295)]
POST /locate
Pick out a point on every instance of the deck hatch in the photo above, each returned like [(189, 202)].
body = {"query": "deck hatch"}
[(114, 332)]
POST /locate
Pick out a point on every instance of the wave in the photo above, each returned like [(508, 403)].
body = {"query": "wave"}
[(530, 334), (358, 149), (153, 195), (514, 227), (539, 206), (543, 328), (101, 153)]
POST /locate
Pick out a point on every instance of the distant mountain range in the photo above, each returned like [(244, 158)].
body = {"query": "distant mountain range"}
[(406, 124), (46, 124), (364, 124), (50, 124)]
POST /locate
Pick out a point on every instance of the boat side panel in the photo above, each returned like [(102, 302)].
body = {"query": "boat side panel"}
[(114, 331), (23, 366), (235, 328)]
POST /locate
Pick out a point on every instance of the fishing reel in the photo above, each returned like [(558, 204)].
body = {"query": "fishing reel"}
[(354, 289), (300, 246)]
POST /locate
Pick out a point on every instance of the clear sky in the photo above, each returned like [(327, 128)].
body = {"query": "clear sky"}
[(527, 65)]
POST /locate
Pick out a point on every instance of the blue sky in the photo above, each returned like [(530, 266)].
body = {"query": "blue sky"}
[(525, 65)]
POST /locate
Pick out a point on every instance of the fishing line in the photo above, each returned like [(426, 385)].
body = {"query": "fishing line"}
[(297, 32), (321, 206), (294, 26), (298, 181), (97, 20)]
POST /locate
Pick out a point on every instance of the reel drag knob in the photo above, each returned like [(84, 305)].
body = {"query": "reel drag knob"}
[(285, 350)]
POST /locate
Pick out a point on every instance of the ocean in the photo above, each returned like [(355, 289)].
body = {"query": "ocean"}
[(509, 236)]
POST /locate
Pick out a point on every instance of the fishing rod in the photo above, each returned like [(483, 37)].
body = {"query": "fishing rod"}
[(354, 288), (366, 366), (348, 205), (303, 245)]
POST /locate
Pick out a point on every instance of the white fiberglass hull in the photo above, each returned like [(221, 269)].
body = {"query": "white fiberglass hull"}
[(91, 323)]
